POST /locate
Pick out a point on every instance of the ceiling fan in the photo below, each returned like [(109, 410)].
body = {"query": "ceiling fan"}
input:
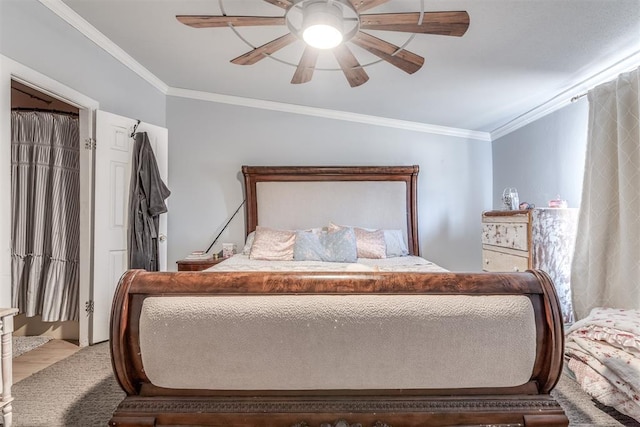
[(330, 24)]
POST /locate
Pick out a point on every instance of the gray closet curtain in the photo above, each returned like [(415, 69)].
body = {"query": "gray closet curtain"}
[(45, 196)]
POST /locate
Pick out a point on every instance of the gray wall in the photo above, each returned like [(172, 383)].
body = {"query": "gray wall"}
[(34, 36), (544, 159), (210, 142)]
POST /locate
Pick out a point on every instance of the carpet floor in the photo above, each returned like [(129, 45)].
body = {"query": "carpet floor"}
[(82, 391), (21, 345), (77, 391)]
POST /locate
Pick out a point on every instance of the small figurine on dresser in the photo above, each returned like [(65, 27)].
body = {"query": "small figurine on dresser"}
[(510, 200)]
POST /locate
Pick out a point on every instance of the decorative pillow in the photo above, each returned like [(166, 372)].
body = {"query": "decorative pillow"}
[(370, 243), (394, 241), (308, 247), (340, 245), (328, 246), (246, 250), (273, 245)]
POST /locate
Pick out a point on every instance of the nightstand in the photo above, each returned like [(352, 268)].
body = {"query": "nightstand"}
[(197, 264)]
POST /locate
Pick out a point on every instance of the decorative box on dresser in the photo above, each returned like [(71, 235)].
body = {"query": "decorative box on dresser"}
[(541, 238), (6, 319)]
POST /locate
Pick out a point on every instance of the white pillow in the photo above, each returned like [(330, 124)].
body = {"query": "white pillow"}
[(246, 250), (395, 243)]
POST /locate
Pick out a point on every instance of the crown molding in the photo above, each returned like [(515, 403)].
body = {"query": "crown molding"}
[(79, 23), (567, 96), (329, 114)]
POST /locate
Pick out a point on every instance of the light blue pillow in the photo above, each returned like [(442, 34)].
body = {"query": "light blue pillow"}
[(334, 246), (307, 247), (340, 245)]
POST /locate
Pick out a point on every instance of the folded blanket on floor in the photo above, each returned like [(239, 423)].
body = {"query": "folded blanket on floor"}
[(603, 351)]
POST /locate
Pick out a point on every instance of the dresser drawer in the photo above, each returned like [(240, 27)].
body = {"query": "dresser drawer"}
[(500, 261), (511, 235)]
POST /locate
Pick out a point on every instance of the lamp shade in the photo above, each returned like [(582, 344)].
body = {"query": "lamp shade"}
[(322, 25)]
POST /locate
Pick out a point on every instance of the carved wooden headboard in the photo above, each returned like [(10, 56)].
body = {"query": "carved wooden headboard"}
[(292, 197)]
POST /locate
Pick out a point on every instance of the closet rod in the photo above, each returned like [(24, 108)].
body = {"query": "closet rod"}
[(44, 110)]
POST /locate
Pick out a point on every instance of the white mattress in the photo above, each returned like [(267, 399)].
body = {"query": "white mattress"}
[(241, 262)]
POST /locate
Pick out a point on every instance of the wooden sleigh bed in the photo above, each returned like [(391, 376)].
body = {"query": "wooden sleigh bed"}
[(336, 348)]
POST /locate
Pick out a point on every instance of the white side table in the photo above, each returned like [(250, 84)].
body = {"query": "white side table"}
[(6, 331)]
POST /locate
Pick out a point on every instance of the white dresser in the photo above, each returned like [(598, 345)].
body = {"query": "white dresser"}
[(6, 319), (541, 238)]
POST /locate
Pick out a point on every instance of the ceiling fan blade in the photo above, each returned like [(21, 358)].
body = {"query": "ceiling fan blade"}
[(258, 53), (306, 66), (407, 61), (212, 21), (362, 5), (285, 4), (351, 68), (442, 23)]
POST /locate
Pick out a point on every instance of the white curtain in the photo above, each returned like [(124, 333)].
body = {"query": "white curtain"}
[(45, 197), (606, 265)]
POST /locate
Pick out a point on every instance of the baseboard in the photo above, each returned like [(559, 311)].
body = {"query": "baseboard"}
[(34, 326)]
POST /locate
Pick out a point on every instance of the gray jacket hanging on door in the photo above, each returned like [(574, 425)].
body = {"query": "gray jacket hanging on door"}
[(146, 203)]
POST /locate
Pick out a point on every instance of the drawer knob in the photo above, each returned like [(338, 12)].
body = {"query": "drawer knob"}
[(486, 261), (516, 269)]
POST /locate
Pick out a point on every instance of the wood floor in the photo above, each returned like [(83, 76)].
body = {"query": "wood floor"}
[(41, 357)]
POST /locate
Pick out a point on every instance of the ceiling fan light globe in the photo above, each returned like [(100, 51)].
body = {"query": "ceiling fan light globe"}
[(322, 24), (322, 36)]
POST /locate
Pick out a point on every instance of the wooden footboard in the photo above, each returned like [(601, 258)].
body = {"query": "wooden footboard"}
[(485, 402)]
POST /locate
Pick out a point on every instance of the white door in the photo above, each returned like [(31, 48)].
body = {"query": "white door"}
[(113, 156)]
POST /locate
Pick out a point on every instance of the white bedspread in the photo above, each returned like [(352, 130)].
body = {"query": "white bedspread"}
[(241, 262)]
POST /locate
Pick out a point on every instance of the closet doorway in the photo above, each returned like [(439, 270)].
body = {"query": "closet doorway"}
[(99, 269), (45, 213)]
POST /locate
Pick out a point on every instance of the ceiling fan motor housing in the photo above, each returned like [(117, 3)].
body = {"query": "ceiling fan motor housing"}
[(322, 24)]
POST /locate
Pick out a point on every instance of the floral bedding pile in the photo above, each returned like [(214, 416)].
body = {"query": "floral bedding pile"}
[(603, 352)]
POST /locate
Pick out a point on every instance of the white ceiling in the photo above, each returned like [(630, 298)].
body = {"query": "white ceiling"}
[(517, 56)]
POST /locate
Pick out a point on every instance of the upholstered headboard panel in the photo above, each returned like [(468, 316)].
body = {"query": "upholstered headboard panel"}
[(304, 197)]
